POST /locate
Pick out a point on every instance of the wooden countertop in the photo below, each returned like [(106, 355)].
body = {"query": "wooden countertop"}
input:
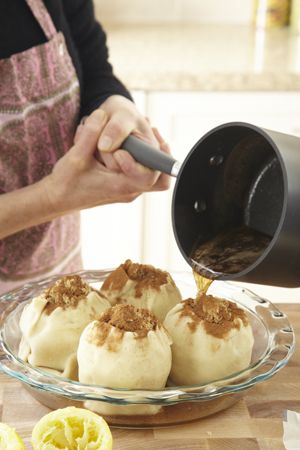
[(254, 423)]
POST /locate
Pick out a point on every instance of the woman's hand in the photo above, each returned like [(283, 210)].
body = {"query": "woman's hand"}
[(121, 119), (79, 180)]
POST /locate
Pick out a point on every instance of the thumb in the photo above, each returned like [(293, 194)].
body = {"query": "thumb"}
[(86, 141), (78, 132), (115, 132)]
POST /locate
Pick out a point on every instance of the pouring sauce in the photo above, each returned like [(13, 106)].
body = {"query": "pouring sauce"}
[(202, 283)]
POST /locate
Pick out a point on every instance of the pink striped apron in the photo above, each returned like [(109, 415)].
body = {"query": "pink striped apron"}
[(39, 109)]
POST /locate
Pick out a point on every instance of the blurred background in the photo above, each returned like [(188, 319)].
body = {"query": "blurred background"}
[(174, 11), (192, 65)]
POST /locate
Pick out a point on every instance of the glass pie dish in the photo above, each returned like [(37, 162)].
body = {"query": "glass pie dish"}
[(274, 343)]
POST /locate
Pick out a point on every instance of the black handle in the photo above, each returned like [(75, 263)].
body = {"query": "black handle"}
[(149, 156)]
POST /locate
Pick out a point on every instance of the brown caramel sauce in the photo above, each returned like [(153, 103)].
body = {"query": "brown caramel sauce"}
[(202, 283), (230, 252)]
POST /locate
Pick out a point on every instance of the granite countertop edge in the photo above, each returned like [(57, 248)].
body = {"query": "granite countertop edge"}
[(205, 58)]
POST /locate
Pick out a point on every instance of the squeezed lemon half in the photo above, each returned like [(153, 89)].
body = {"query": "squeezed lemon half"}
[(71, 428), (9, 439)]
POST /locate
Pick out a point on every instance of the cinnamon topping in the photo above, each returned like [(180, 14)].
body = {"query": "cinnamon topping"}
[(66, 293), (145, 276), (129, 318), (218, 316), (116, 280), (123, 318)]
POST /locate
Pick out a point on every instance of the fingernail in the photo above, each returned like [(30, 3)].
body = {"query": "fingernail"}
[(105, 143)]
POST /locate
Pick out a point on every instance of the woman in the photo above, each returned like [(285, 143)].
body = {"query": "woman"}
[(54, 71)]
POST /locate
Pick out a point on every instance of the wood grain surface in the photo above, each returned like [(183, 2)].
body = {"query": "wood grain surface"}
[(254, 423)]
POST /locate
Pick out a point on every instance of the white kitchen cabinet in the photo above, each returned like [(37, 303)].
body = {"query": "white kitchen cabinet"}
[(183, 118)]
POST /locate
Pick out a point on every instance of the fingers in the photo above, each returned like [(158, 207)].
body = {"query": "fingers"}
[(149, 179), (109, 161), (106, 131), (123, 119), (115, 132), (137, 175), (145, 132), (162, 143), (88, 134), (163, 182)]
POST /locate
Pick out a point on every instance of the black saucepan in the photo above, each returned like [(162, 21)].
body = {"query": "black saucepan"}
[(237, 174)]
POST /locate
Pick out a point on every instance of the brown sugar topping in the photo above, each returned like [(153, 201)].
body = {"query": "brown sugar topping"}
[(123, 318), (145, 276), (115, 281), (66, 293), (218, 316), (129, 318)]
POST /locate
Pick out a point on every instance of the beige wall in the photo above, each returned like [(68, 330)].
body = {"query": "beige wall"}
[(173, 11)]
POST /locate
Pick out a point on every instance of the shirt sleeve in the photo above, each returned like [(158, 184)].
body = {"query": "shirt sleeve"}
[(98, 79)]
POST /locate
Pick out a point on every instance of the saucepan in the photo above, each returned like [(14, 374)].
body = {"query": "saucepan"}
[(236, 175)]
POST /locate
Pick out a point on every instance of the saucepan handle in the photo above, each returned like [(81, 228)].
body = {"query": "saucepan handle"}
[(151, 157)]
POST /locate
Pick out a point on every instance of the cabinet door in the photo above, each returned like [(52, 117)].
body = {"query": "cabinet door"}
[(112, 233), (182, 119)]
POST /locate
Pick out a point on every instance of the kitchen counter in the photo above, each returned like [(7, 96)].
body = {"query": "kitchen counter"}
[(200, 57), (254, 423)]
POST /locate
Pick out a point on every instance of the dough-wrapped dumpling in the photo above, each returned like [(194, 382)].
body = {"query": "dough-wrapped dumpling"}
[(142, 286), (128, 348), (212, 338), (51, 324)]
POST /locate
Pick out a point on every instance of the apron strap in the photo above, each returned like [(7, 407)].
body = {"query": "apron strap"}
[(43, 17)]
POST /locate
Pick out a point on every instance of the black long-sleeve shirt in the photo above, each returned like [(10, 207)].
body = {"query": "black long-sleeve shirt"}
[(85, 38)]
